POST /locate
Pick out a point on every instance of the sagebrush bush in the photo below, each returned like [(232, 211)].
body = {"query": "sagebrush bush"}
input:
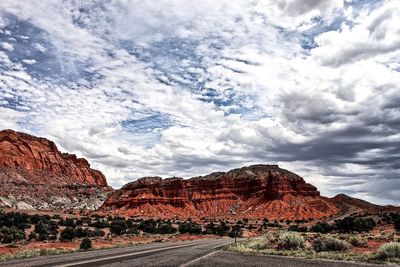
[(86, 244), (389, 251), (330, 244), (291, 241), (358, 241), (258, 243)]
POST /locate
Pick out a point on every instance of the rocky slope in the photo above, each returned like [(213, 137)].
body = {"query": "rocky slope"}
[(258, 191), (35, 174)]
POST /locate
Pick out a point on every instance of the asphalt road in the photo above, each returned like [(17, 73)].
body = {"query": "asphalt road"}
[(191, 253)]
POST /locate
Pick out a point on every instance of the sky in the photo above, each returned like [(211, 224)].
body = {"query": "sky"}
[(185, 88)]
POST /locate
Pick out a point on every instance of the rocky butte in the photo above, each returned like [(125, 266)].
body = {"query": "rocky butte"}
[(258, 191), (34, 174)]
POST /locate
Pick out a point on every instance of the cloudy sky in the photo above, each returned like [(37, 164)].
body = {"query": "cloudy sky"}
[(180, 87)]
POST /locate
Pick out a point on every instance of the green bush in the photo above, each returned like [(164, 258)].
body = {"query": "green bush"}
[(68, 233), (165, 228), (357, 241), (148, 226), (190, 228), (291, 241), (321, 227), (99, 223), (11, 234), (330, 244), (389, 251), (352, 224), (36, 218), (46, 230), (259, 243), (85, 232), (118, 227), (67, 222), (297, 228), (85, 244), (14, 219)]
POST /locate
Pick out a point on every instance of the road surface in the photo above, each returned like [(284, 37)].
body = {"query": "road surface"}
[(190, 253)]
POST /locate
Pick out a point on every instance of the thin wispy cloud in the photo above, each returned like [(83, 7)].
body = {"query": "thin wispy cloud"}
[(189, 87)]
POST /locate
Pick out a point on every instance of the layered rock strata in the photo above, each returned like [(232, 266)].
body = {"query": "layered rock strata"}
[(258, 191), (35, 174)]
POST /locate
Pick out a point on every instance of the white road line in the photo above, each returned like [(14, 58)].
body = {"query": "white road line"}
[(197, 259), (123, 255)]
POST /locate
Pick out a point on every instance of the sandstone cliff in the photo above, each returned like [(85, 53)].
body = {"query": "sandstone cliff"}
[(258, 191), (35, 174)]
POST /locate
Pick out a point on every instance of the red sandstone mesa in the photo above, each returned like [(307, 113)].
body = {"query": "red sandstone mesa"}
[(33, 170), (258, 191)]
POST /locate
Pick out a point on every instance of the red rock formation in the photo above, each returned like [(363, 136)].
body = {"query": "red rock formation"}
[(258, 191), (39, 161), (33, 167)]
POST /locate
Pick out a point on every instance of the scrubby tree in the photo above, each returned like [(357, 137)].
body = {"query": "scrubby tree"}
[(46, 231), (352, 224), (68, 233), (165, 228), (118, 227), (321, 227), (16, 219), (11, 234), (297, 228), (85, 244), (148, 226), (190, 228)]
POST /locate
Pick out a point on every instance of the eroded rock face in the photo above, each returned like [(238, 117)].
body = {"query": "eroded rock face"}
[(258, 191), (35, 172)]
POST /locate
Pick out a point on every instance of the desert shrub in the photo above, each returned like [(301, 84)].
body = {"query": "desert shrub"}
[(70, 222), (291, 241), (132, 230), (32, 236), (321, 227), (330, 244), (357, 241), (86, 232), (352, 224), (68, 233), (148, 226), (222, 229), (397, 224), (118, 227), (46, 230), (297, 228), (99, 223), (165, 228), (210, 229), (11, 234), (259, 243), (15, 219), (36, 218), (85, 244), (389, 251), (67, 222), (190, 228)]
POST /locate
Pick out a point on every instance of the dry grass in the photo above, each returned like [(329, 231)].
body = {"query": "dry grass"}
[(337, 247), (33, 253)]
